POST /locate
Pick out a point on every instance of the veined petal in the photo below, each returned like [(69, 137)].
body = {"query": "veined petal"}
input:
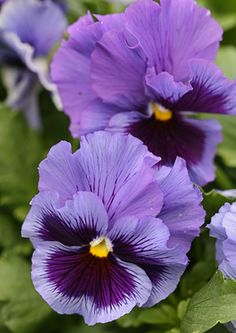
[(73, 281), (70, 72), (165, 278), (80, 221), (117, 168), (211, 91), (228, 263), (191, 139), (203, 171), (164, 89), (61, 173), (137, 239), (182, 211), (144, 243), (118, 72), (120, 171), (172, 33), (223, 228)]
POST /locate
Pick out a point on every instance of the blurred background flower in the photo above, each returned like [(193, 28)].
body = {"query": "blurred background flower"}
[(29, 30)]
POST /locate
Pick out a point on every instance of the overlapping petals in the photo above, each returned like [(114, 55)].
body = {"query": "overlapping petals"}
[(107, 227), (223, 228), (119, 171), (113, 70)]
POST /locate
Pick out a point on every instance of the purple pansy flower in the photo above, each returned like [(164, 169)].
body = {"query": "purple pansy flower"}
[(223, 228), (145, 72), (28, 31), (110, 226)]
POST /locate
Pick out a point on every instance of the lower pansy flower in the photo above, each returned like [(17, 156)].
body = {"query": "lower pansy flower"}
[(29, 29), (110, 227)]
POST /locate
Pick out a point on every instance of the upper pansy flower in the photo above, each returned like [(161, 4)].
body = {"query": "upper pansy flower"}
[(147, 72), (29, 30), (223, 228), (110, 227)]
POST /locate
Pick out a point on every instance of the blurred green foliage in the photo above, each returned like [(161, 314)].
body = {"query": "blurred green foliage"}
[(196, 306)]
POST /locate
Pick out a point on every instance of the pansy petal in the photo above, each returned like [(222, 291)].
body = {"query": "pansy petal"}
[(228, 263), (118, 71), (144, 243), (167, 45), (83, 35), (218, 225), (77, 223), (212, 92), (222, 227), (118, 170), (182, 211), (203, 171), (72, 281), (111, 21), (60, 172), (94, 117), (165, 278), (22, 87), (135, 239), (40, 24), (21, 56), (70, 72), (122, 122), (193, 140), (165, 90)]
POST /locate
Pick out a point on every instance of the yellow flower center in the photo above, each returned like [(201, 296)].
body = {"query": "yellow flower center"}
[(100, 247), (161, 113)]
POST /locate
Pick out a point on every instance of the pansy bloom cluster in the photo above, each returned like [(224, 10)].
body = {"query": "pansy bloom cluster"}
[(113, 221), (111, 227), (148, 72)]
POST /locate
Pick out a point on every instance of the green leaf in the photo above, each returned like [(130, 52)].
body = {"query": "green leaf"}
[(196, 278), (226, 60), (227, 148), (131, 319), (182, 307), (20, 153), (212, 201), (162, 314), (21, 309), (214, 303)]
